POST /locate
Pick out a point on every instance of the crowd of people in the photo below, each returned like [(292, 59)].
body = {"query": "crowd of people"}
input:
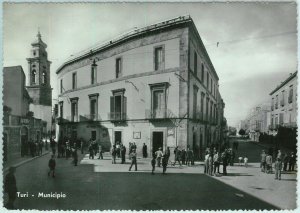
[(283, 162), (33, 148)]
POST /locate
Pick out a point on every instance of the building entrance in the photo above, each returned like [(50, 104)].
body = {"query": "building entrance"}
[(118, 137), (157, 141)]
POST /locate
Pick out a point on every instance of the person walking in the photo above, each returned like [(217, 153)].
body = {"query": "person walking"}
[(168, 153), (100, 152), (189, 157), (292, 161), (216, 161), (164, 163), (159, 155), (113, 153), (81, 146), (286, 160), (91, 151), (153, 162), (40, 147), (263, 161), (10, 187), (246, 161), (177, 153), (52, 165), (206, 162), (133, 160), (123, 154), (225, 162), (278, 167), (210, 164), (145, 153), (183, 156), (269, 163), (75, 156)]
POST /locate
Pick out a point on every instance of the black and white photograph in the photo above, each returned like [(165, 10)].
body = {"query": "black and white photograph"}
[(149, 106)]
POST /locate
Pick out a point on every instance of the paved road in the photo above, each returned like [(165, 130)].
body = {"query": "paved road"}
[(249, 149), (89, 190)]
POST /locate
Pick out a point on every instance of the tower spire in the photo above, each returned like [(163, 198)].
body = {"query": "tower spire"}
[(39, 34)]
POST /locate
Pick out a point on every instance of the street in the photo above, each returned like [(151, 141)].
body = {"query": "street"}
[(134, 190)]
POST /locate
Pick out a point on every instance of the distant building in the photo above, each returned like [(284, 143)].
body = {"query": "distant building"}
[(257, 121), (19, 125), (38, 86), (284, 104), (155, 85)]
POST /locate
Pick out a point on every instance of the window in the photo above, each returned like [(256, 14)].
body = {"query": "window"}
[(211, 85), (61, 86), (93, 107), (282, 98), (290, 99), (159, 58), (74, 80), (44, 78), (211, 111), (94, 73), (202, 72), (61, 109), (276, 103), (207, 80), (195, 63), (74, 109), (33, 76), (207, 109), (195, 102), (272, 104), (118, 67), (158, 101), (118, 105), (202, 104)]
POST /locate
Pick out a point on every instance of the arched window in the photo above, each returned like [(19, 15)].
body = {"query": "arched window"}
[(44, 78), (33, 76)]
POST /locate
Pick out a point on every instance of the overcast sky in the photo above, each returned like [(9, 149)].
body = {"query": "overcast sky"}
[(257, 41)]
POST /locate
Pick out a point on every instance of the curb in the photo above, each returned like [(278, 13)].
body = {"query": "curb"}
[(25, 161)]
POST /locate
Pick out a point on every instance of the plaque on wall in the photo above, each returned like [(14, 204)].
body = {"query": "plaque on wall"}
[(136, 135)]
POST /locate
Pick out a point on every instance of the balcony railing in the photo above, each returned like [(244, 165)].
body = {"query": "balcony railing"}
[(117, 116), (159, 114), (90, 117)]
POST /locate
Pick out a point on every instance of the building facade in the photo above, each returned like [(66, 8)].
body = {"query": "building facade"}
[(38, 86), (19, 125), (155, 85), (284, 104)]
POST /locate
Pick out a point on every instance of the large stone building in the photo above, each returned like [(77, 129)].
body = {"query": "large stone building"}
[(155, 85), (38, 85), (284, 104), (19, 125)]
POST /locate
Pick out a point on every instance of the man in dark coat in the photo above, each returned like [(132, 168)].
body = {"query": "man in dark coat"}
[(145, 154), (164, 163), (133, 160), (123, 153), (52, 165), (10, 187), (225, 161)]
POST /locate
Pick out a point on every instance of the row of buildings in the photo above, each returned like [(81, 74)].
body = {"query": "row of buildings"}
[(154, 85), (279, 111)]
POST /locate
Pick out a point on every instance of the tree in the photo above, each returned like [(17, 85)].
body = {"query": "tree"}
[(242, 132)]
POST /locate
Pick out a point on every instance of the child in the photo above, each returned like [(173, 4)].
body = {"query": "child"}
[(153, 162), (240, 161), (246, 161), (52, 165), (278, 167)]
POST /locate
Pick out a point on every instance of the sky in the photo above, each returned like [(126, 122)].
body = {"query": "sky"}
[(257, 42)]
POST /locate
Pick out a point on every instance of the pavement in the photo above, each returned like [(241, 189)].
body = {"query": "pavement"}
[(249, 180)]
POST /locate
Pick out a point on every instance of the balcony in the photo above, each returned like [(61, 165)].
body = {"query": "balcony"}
[(159, 114), (117, 116), (90, 117)]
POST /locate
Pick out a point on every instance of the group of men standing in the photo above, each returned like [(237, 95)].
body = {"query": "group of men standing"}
[(32, 148)]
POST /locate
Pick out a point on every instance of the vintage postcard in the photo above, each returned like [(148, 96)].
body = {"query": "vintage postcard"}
[(149, 106)]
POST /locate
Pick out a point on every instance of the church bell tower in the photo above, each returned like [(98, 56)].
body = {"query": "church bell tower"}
[(39, 87)]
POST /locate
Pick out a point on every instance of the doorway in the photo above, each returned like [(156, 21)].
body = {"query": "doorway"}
[(157, 141), (118, 137)]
